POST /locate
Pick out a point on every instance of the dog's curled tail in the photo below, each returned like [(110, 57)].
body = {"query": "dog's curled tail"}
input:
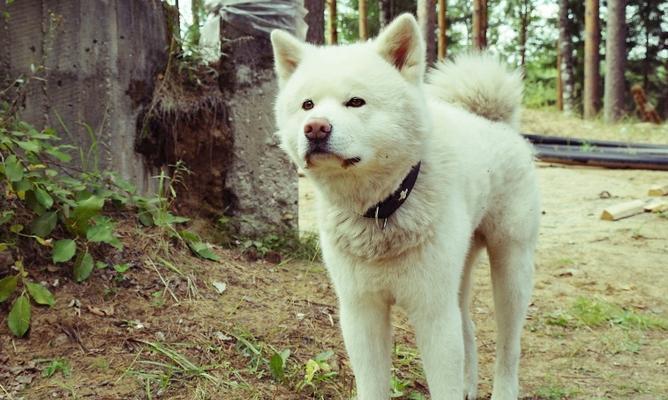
[(481, 84)]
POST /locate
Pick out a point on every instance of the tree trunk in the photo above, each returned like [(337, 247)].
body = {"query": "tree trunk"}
[(615, 59), (315, 19), (196, 8), (426, 13), (363, 31), (384, 12), (331, 22), (560, 82), (479, 24), (525, 19), (178, 18), (485, 23), (647, 61), (566, 66), (592, 59), (442, 38)]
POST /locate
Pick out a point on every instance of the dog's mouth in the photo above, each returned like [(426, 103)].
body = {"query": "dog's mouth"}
[(319, 153)]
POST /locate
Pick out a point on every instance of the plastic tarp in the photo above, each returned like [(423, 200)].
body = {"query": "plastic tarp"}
[(252, 17)]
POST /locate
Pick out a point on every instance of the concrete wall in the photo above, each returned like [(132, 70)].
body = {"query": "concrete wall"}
[(262, 179), (102, 57), (98, 54)]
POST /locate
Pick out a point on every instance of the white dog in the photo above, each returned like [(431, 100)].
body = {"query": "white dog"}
[(413, 181)]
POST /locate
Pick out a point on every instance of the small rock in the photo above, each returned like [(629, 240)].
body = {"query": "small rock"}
[(222, 337), (24, 379), (60, 340), (219, 286)]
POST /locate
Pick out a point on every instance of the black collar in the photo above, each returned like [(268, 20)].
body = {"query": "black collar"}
[(387, 207)]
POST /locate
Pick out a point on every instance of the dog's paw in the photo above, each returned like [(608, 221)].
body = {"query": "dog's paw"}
[(470, 388), (471, 394)]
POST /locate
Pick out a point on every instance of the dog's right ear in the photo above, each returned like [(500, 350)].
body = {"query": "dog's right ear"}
[(401, 44), (288, 52)]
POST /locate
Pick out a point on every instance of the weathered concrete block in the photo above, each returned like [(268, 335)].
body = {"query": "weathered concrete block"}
[(261, 178), (101, 60), (93, 51)]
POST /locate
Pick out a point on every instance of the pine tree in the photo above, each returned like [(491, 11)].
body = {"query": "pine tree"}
[(331, 22), (615, 59), (363, 30), (645, 42), (525, 10), (479, 24), (592, 59), (315, 19), (566, 65), (426, 13), (442, 27)]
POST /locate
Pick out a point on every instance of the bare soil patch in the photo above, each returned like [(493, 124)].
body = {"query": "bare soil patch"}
[(596, 327)]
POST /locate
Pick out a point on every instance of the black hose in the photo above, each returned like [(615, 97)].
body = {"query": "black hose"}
[(568, 141)]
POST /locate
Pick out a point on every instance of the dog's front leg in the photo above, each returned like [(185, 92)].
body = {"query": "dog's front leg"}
[(433, 307), (365, 322)]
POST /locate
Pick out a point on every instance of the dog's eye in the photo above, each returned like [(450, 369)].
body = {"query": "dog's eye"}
[(307, 105), (355, 102)]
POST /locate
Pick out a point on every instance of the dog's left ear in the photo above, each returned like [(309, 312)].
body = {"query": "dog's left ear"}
[(402, 46), (288, 52)]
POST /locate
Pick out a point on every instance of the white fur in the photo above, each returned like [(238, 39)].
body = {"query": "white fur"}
[(476, 189), (479, 83)]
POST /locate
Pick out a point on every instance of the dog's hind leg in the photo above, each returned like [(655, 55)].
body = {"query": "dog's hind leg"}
[(470, 350), (367, 333), (512, 275)]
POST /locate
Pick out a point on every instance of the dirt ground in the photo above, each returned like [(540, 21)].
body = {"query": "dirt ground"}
[(597, 327)]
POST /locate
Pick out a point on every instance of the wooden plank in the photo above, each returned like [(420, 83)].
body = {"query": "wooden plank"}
[(658, 190), (657, 205), (623, 210)]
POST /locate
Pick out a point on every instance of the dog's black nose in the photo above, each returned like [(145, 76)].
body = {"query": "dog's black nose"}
[(317, 129)]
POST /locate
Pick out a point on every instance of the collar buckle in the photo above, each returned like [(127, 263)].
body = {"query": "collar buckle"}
[(384, 209)]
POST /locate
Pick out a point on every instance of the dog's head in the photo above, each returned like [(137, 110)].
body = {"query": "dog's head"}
[(352, 108)]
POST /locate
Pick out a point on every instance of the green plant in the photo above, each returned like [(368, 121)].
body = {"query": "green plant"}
[(408, 371), (587, 147), (46, 204), (277, 364), (170, 366), (156, 211), (290, 245), (57, 365), (317, 370), (554, 392), (594, 313), (18, 318), (59, 212), (254, 350)]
